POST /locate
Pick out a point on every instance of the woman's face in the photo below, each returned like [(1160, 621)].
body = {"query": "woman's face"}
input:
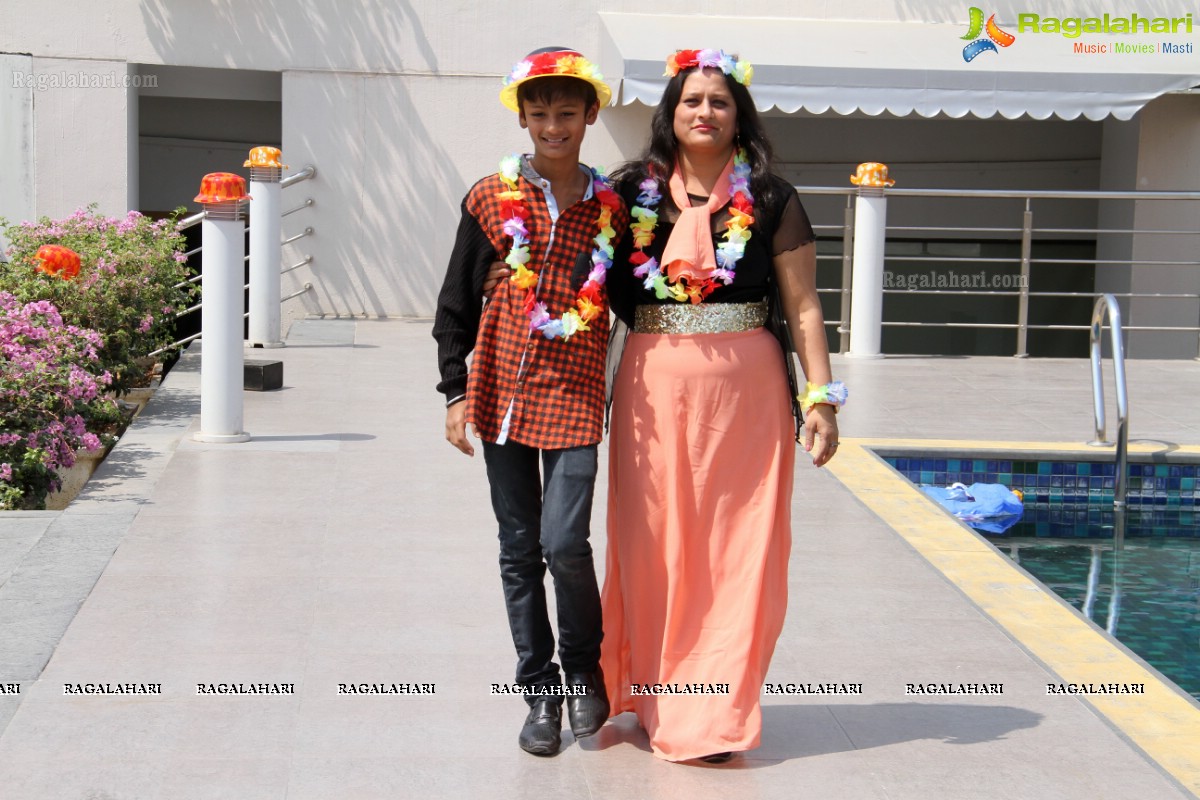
[(706, 117)]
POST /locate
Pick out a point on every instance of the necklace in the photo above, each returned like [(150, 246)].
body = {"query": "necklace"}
[(728, 252), (588, 302)]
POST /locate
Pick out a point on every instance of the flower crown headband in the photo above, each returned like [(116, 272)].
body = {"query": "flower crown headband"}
[(741, 70), (560, 63)]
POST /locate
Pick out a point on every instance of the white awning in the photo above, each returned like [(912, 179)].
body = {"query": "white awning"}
[(906, 67)]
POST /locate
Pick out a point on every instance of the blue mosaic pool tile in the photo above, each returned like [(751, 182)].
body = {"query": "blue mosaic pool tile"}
[(1060, 481)]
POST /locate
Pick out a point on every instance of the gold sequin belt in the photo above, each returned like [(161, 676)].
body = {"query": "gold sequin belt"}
[(688, 318)]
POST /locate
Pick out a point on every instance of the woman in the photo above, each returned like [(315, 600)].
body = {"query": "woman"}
[(701, 442)]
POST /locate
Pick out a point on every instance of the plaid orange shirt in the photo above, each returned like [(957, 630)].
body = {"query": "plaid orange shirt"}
[(550, 390)]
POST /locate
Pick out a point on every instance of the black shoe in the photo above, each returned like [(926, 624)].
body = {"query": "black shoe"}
[(587, 713), (717, 758), (541, 733)]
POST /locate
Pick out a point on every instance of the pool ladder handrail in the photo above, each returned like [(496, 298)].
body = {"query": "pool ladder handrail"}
[(1108, 303)]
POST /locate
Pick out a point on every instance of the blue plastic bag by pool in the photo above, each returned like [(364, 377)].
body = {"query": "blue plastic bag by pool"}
[(986, 506)]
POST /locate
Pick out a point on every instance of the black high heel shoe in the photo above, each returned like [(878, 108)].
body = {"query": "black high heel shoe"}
[(717, 758)]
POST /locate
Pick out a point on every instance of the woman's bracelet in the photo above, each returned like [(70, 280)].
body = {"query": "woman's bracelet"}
[(833, 394)]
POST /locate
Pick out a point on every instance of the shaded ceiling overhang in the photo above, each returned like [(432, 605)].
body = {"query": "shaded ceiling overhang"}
[(904, 68)]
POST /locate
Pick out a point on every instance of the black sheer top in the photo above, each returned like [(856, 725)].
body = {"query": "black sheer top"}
[(779, 226)]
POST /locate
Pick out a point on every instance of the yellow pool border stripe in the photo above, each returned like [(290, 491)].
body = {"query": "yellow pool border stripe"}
[(1163, 722)]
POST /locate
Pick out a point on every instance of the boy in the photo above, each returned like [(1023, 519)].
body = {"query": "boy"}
[(535, 390)]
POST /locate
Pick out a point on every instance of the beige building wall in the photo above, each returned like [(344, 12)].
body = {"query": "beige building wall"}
[(1168, 160), (16, 141), (1158, 150)]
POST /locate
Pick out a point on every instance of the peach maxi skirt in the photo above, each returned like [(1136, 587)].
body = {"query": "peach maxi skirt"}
[(701, 452)]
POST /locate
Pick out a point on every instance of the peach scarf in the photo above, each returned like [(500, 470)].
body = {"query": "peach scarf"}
[(689, 251)]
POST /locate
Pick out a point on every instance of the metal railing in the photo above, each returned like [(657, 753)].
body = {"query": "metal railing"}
[(1026, 262), (1106, 304), (192, 220)]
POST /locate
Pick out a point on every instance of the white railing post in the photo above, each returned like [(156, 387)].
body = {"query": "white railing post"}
[(265, 247), (847, 276), (1023, 300), (870, 233), (223, 195)]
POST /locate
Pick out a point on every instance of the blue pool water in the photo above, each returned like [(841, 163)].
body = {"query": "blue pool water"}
[(1143, 587)]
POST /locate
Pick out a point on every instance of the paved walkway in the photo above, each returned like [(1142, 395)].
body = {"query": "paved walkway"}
[(347, 543)]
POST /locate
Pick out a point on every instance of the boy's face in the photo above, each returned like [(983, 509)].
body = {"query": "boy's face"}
[(557, 127)]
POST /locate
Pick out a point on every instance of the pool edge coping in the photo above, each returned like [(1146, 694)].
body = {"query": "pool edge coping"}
[(1162, 724)]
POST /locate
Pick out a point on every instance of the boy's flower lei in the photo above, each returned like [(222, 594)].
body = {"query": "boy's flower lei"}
[(589, 303), (740, 70), (728, 253)]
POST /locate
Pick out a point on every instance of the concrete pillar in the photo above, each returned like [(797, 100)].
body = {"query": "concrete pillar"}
[(866, 302), (265, 247), (221, 359)]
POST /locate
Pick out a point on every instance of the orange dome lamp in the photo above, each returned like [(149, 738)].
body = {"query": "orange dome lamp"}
[(222, 187), (58, 260), (265, 157), (872, 174)]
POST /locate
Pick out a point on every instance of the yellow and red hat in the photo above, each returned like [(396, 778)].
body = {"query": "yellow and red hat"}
[(552, 62)]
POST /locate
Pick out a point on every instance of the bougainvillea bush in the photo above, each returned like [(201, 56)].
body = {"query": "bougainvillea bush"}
[(131, 284), (49, 387)]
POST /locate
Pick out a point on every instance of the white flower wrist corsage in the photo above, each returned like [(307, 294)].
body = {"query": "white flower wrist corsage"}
[(833, 393)]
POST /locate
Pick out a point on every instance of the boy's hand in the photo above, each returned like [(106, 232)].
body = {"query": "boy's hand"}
[(497, 273), (456, 427)]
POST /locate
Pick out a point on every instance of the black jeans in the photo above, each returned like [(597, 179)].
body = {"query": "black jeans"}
[(545, 522)]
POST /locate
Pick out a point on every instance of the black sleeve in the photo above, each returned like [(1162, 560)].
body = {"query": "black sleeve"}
[(460, 303), (792, 228), (622, 283)]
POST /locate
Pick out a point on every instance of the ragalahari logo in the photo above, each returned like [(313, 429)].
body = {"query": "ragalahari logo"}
[(980, 44)]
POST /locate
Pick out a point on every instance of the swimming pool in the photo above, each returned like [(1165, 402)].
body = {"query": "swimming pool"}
[(1143, 586)]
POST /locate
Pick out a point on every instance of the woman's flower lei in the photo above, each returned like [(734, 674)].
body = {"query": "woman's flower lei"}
[(728, 253), (740, 70), (589, 303)]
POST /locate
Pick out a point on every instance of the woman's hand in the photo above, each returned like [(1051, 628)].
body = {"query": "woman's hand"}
[(821, 433), (796, 271), (497, 273)]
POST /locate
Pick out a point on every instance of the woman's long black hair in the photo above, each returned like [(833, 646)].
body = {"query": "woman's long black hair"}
[(658, 160)]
